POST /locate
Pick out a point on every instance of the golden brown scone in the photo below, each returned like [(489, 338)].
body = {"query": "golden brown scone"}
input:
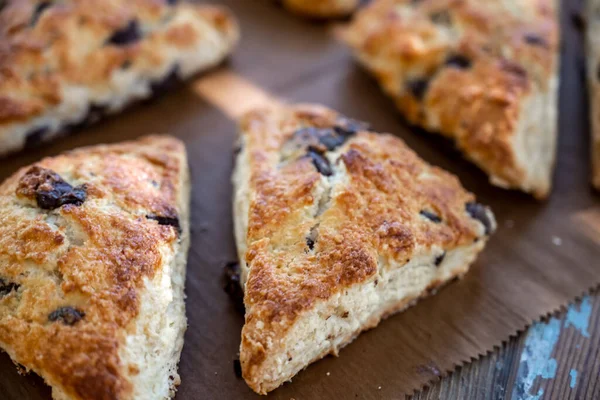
[(593, 50), (484, 73), (93, 247), (321, 8), (337, 227), (65, 64)]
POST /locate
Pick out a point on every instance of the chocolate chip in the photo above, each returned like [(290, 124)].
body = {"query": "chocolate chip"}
[(431, 216), (578, 21), (418, 87), (458, 61), (598, 72), (37, 12), (320, 162), (170, 81), (439, 259), (535, 40), (166, 221), (331, 138), (49, 189), (7, 287), (36, 137), (67, 315), (480, 213), (348, 126), (127, 35), (60, 194), (237, 368), (441, 17), (232, 284), (310, 243), (172, 2), (3, 4)]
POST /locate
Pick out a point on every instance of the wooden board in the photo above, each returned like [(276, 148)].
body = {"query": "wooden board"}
[(543, 255)]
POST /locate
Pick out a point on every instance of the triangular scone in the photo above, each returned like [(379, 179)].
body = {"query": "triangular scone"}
[(321, 8), (593, 50), (65, 64), (336, 228), (482, 72), (93, 247)]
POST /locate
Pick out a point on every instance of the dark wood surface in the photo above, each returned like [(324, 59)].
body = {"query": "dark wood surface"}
[(524, 272), (567, 366)]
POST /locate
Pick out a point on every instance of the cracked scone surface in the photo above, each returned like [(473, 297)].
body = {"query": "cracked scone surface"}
[(336, 228), (483, 73), (593, 71), (93, 247), (321, 8), (66, 64)]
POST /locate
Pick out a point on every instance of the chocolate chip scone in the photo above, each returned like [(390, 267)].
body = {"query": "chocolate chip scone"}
[(321, 8), (65, 64), (93, 247), (483, 73), (337, 227), (593, 56)]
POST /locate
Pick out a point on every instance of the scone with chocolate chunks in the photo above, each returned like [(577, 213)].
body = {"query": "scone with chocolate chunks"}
[(321, 9), (336, 228), (483, 73), (93, 248), (66, 64), (593, 56)]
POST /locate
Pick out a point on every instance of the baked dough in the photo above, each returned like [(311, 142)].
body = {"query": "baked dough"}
[(336, 228), (483, 73), (321, 8), (93, 247), (65, 64), (593, 49)]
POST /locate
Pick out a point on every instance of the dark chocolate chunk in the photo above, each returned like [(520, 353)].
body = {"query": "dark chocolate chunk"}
[(232, 284), (431, 216), (36, 137), (418, 87), (169, 82), (440, 259), (7, 287), (237, 368), (3, 4), (67, 315), (458, 61), (310, 243), (331, 138), (166, 221), (441, 17), (349, 127), (129, 34), (578, 21), (598, 72), (480, 213), (49, 189), (37, 12), (535, 40), (172, 2), (60, 194), (320, 162)]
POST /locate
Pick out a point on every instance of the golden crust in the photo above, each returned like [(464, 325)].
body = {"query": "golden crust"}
[(468, 69), (56, 59), (321, 8), (305, 244), (91, 257)]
